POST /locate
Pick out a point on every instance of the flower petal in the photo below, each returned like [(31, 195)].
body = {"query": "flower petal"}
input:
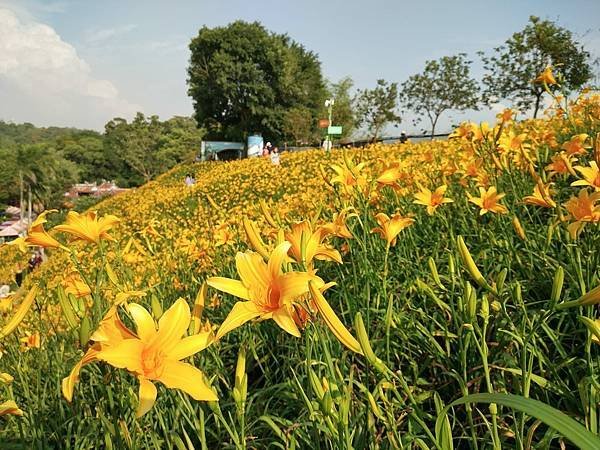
[(146, 328), (147, 396), (283, 318), (233, 287), (190, 345), (277, 258), (241, 313), (295, 284), (68, 383), (180, 375), (127, 354), (172, 325)]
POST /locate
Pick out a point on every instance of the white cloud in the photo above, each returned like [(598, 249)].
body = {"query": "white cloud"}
[(97, 36), (44, 81)]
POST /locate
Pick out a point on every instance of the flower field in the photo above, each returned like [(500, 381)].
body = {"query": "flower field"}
[(433, 295)]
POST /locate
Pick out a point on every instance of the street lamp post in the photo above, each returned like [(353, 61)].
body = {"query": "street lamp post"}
[(329, 105)]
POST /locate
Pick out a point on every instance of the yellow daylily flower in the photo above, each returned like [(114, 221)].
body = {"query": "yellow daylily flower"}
[(349, 178), (73, 284), (110, 332), (337, 227), (307, 244), (223, 235), (87, 227), (488, 201), (542, 196), (546, 77), (432, 200), (591, 176), (37, 236), (389, 228), (31, 341), (268, 293), (576, 145), (582, 209), (10, 408), (155, 354)]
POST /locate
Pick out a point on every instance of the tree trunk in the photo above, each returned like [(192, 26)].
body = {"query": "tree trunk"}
[(433, 124)]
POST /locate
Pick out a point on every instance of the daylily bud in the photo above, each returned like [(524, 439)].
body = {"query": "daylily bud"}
[(519, 228), (365, 345), (157, 310), (470, 265), (591, 298), (434, 272), (84, 331), (485, 308), (557, 286), (593, 327), (67, 308), (22, 310)]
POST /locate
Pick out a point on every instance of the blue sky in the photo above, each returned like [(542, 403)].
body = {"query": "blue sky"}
[(111, 58)]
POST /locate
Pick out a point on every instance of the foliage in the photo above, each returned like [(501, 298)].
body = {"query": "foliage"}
[(515, 64), (243, 79), (476, 311), (344, 113), (146, 147), (376, 108), (442, 86), (44, 171)]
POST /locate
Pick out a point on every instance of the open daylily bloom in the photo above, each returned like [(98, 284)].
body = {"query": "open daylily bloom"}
[(582, 209), (338, 226), (576, 145), (389, 176), (10, 408), (389, 228), (307, 244), (488, 201), (150, 354), (349, 178), (87, 227), (542, 196), (562, 164), (591, 176), (20, 244), (546, 77), (37, 236), (155, 354), (223, 235), (432, 200), (110, 332), (73, 284), (266, 291)]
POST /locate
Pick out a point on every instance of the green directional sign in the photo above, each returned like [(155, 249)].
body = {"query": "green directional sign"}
[(334, 129)]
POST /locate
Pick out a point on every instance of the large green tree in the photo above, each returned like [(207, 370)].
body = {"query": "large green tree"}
[(376, 108), (344, 112), (243, 78), (514, 65), (443, 85)]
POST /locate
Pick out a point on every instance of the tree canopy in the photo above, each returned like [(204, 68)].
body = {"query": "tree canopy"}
[(443, 85), (376, 108), (514, 65), (244, 79)]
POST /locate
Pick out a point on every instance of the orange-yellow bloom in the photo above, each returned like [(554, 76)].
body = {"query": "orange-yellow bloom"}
[(561, 164), (542, 196), (266, 291), (10, 408), (37, 236), (349, 178), (87, 227), (546, 77), (488, 201), (307, 244), (582, 209), (432, 200), (155, 354), (591, 176), (338, 226), (576, 145), (223, 235), (389, 228), (73, 284), (31, 341)]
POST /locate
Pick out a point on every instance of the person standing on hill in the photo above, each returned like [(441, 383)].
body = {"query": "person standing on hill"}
[(275, 156)]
